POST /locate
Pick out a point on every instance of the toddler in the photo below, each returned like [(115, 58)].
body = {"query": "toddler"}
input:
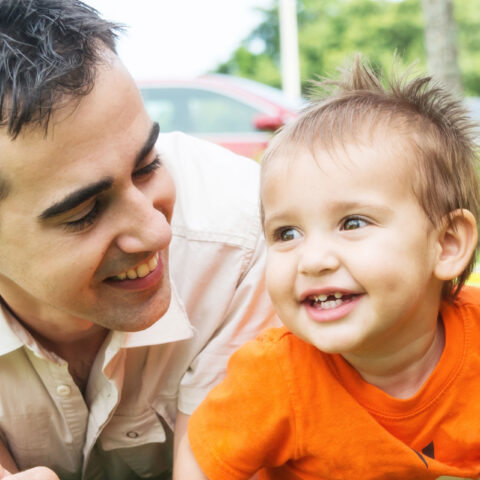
[(369, 202)]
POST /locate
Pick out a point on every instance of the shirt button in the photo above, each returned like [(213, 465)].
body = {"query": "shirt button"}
[(63, 390), (132, 434)]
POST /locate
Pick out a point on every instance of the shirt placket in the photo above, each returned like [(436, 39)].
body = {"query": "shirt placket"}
[(70, 405), (103, 395)]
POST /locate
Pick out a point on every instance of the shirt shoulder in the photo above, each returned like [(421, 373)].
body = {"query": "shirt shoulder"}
[(231, 441), (276, 350), (469, 295), (466, 306), (217, 190), (276, 342)]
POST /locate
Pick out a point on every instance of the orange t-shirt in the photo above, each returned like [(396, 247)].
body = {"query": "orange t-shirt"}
[(296, 413)]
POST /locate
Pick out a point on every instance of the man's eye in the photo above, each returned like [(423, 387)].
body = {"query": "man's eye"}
[(287, 234), (148, 168), (353, 223), (79, 224)]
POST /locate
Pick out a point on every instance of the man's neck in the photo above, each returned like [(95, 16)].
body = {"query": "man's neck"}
[(79, 354), (78, 347)]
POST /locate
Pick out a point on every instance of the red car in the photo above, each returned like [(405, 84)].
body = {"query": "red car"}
[(237, 113)]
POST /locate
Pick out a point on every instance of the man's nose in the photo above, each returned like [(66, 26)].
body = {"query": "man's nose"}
[(317, 256), (144, 227)]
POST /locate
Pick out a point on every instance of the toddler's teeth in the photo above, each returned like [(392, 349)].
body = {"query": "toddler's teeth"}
[(122, 276), (131, 274), (338, 295)]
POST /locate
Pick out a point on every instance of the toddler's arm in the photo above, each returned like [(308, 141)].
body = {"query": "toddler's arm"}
[(184, 463), (246, 422)]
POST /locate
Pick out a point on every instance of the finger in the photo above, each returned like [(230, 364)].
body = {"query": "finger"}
[(3, 472), (37, 473)]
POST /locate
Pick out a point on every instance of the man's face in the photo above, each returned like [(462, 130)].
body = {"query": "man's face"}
[(87, 215)]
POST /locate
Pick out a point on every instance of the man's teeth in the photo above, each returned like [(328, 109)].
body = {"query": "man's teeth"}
[(323, 301), (139, 272)]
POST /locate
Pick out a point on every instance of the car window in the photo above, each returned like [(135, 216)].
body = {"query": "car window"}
[(198, 111)]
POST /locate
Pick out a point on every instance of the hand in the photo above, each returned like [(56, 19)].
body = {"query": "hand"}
[(37, 473)]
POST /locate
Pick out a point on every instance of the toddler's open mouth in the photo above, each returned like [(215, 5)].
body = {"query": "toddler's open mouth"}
[(331, 300)]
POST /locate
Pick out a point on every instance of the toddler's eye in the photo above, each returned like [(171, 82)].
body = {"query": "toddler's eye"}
[(287, 234), (353, 223)]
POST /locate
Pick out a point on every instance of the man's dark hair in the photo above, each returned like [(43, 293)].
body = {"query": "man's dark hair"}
[(49, 49)]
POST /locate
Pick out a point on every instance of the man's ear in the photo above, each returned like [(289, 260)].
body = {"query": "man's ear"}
[(457, 241)]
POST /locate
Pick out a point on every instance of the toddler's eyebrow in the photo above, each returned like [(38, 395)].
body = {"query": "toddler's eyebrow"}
[(341, 206), (359, 205)]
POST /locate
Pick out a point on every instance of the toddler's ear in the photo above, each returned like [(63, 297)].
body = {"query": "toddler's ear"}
[(457, 241)]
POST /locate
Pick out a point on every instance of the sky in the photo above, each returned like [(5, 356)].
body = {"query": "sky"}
[(179, 38)]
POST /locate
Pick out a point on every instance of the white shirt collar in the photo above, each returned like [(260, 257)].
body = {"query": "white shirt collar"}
[(171, 327), (9, 340)]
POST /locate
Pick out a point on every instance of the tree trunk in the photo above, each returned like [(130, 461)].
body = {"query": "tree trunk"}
[(441, 43)]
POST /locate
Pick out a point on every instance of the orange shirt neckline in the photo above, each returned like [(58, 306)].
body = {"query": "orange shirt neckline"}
[(380, 404)]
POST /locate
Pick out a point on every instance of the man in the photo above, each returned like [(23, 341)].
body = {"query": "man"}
[(106, 344)]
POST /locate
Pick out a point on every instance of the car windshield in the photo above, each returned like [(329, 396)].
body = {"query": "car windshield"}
[(272, 94), (197, 111)]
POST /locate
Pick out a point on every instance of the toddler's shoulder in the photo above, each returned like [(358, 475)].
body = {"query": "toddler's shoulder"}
[(279, 337), (279, 345), (468, 296), (466, 306), (273, 335)]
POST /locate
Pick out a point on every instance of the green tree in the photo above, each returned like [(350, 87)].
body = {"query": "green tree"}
[(377, 28), (467, 14), (441, 42), (331, 30), (263, 66)]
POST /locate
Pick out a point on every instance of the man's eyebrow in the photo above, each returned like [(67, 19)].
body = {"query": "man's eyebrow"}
[(76, 198), (149, 144), (83, 194)]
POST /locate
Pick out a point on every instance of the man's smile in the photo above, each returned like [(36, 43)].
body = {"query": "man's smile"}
[(139, 271)]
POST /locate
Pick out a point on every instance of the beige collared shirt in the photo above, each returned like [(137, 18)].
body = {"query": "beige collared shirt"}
[(122, 427)]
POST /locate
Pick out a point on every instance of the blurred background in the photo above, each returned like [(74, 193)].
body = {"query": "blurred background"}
[(233, 71), (180, 38)]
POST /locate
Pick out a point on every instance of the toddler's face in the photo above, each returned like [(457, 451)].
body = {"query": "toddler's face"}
[(351, 253)]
